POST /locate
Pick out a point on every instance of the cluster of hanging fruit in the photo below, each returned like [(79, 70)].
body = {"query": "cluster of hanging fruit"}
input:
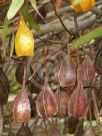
[(60, 104), (79, 5), (48, 103)]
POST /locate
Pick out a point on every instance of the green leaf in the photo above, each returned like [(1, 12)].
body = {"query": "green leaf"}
[(34, 25), (8, 31), (96, 33), (3, 34), (33, 3), (28, 18), (14, 7), (5, 27), (12, 45), (25, 11)]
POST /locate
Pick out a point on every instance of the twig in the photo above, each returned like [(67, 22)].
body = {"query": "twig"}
[(68, 48), (69, 32), (97, 11), (35, 71), (49, 58), (76, 25), (56, 42)]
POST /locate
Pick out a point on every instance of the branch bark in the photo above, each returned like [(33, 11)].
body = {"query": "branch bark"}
[(67, 15)]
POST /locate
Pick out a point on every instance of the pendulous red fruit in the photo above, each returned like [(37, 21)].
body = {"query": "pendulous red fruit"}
[(62, 100), (21, 108), (46, 103), (67, 73), (87, 72), (78, 103)]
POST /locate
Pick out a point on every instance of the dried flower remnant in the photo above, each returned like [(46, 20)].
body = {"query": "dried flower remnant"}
[(24, 131), (46, 103), (21, 108)]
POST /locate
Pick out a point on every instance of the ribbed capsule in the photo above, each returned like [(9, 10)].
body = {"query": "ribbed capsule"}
[(21, 108), (87, 72), (24, 41), (78, 103), (46, 103), (67, 73), (62, 100)]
